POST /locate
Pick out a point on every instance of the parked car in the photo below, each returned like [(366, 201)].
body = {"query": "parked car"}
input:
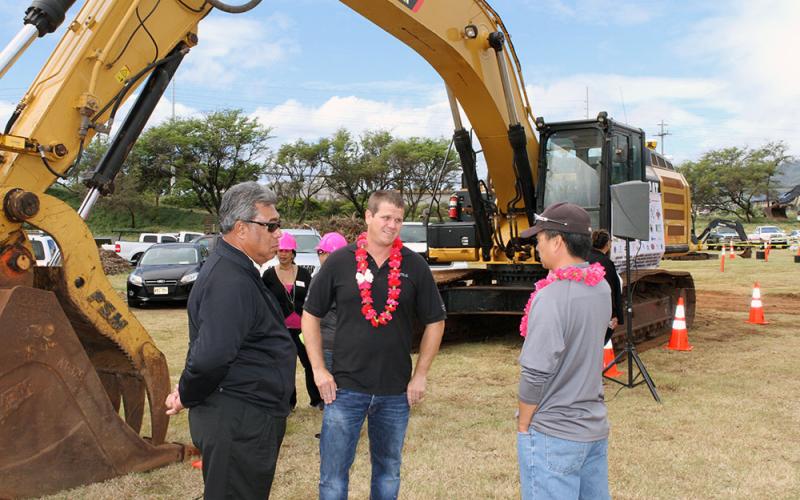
[(794, 236), (44, 247), (415, 238), (720, 235), (132, 251), (165, 273), (772, 234), (307, 241)]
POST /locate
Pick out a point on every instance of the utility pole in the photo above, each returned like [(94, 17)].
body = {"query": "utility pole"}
[(172, 168), (173, 97), (662, 134)]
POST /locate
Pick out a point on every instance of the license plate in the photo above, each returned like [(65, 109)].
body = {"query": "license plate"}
[(160, 290)]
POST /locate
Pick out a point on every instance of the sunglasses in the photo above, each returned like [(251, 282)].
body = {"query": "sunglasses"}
[(271, 226), (538, 218)]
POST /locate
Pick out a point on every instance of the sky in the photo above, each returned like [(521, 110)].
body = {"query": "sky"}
[(719, 73)]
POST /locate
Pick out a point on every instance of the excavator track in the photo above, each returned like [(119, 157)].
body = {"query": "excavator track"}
[(655, 297)]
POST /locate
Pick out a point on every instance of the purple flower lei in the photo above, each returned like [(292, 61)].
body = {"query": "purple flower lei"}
[(591, 276)]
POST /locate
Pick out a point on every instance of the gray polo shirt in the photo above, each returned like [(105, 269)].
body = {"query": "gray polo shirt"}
[(562, 360)]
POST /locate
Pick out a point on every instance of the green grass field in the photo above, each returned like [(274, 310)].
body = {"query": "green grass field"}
[(728, 426)]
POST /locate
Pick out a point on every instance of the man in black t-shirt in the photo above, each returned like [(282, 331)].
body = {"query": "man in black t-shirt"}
[(372, 364)]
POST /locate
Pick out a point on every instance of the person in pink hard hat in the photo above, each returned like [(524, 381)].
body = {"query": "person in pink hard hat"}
[(289, 283), (329, 243)]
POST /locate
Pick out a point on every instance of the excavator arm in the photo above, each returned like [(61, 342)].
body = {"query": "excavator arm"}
[(468, 45), (74, 355)]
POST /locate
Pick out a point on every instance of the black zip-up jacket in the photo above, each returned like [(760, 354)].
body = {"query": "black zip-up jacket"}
[(238, 344)]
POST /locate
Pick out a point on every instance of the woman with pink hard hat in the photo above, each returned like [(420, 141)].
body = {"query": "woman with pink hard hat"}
[(289, 283)]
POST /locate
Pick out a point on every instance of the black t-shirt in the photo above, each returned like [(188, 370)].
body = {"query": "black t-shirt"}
[(368, 359)]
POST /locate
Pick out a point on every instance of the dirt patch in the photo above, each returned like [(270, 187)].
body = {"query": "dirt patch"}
[(781, 303), (113, 263)]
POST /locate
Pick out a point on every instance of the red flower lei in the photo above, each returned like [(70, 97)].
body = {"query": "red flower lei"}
[(591, 276), (364, 279)]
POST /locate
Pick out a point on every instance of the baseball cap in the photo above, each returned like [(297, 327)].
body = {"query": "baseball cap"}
[(331, 242), (287, 242), (562, 217)]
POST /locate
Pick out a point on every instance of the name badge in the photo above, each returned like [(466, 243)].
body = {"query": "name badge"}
[(300, 284)]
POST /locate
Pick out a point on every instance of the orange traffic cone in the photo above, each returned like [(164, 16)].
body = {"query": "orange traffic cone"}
[(733, 253), (766, 252), (680, 337), (197, 464), (608, 359), (756, 307)]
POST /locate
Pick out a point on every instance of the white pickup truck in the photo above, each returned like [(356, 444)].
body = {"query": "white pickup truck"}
[(132, 251), (768, 234)]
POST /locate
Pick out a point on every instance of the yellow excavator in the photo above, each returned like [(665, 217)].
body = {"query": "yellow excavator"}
[(81, 381)]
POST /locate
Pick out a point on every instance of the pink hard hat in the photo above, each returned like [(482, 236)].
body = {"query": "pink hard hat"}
[(287, 242), (331, 242)]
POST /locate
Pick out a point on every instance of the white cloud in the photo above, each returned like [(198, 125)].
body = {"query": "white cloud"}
[(753, 45), (232, 46), (683, 103), (6, 108), (294, 120)]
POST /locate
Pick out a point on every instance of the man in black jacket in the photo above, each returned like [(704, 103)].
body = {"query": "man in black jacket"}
[(240, 366)]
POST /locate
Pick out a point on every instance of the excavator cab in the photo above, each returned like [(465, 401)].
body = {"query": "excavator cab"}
[(580, 160)]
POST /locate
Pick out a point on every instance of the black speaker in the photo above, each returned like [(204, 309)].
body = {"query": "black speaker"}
[(630, 210)]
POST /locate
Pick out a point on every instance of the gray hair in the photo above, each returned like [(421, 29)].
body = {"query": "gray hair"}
[(239, 203)]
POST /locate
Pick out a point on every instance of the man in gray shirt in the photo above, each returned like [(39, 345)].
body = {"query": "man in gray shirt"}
[(562, 440)]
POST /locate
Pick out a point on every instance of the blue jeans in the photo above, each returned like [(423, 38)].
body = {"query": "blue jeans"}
[(342, 420), (550, 467)]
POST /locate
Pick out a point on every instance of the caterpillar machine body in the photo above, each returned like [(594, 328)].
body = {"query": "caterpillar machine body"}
[(82, 382)]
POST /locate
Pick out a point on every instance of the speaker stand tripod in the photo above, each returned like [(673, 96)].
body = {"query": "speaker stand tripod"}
[(630, 348)]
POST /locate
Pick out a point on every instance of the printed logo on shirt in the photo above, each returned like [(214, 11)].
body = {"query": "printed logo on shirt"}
[(404, 275)]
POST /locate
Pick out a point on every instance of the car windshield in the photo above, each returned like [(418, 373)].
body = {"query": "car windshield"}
[(306, 243), (38, 249), (413, 234), (770, 229), (166, 256)]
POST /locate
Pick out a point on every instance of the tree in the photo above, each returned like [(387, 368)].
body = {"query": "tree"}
[(152, 158), (356, 169), (727, 180), (300, 174), (208, 154), (416, 165)]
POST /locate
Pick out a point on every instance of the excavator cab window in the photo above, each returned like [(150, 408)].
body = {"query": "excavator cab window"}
[(574, 169), (620, 166), (626, 158)]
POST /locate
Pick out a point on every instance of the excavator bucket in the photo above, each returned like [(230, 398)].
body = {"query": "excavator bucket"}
[(58, 426)]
